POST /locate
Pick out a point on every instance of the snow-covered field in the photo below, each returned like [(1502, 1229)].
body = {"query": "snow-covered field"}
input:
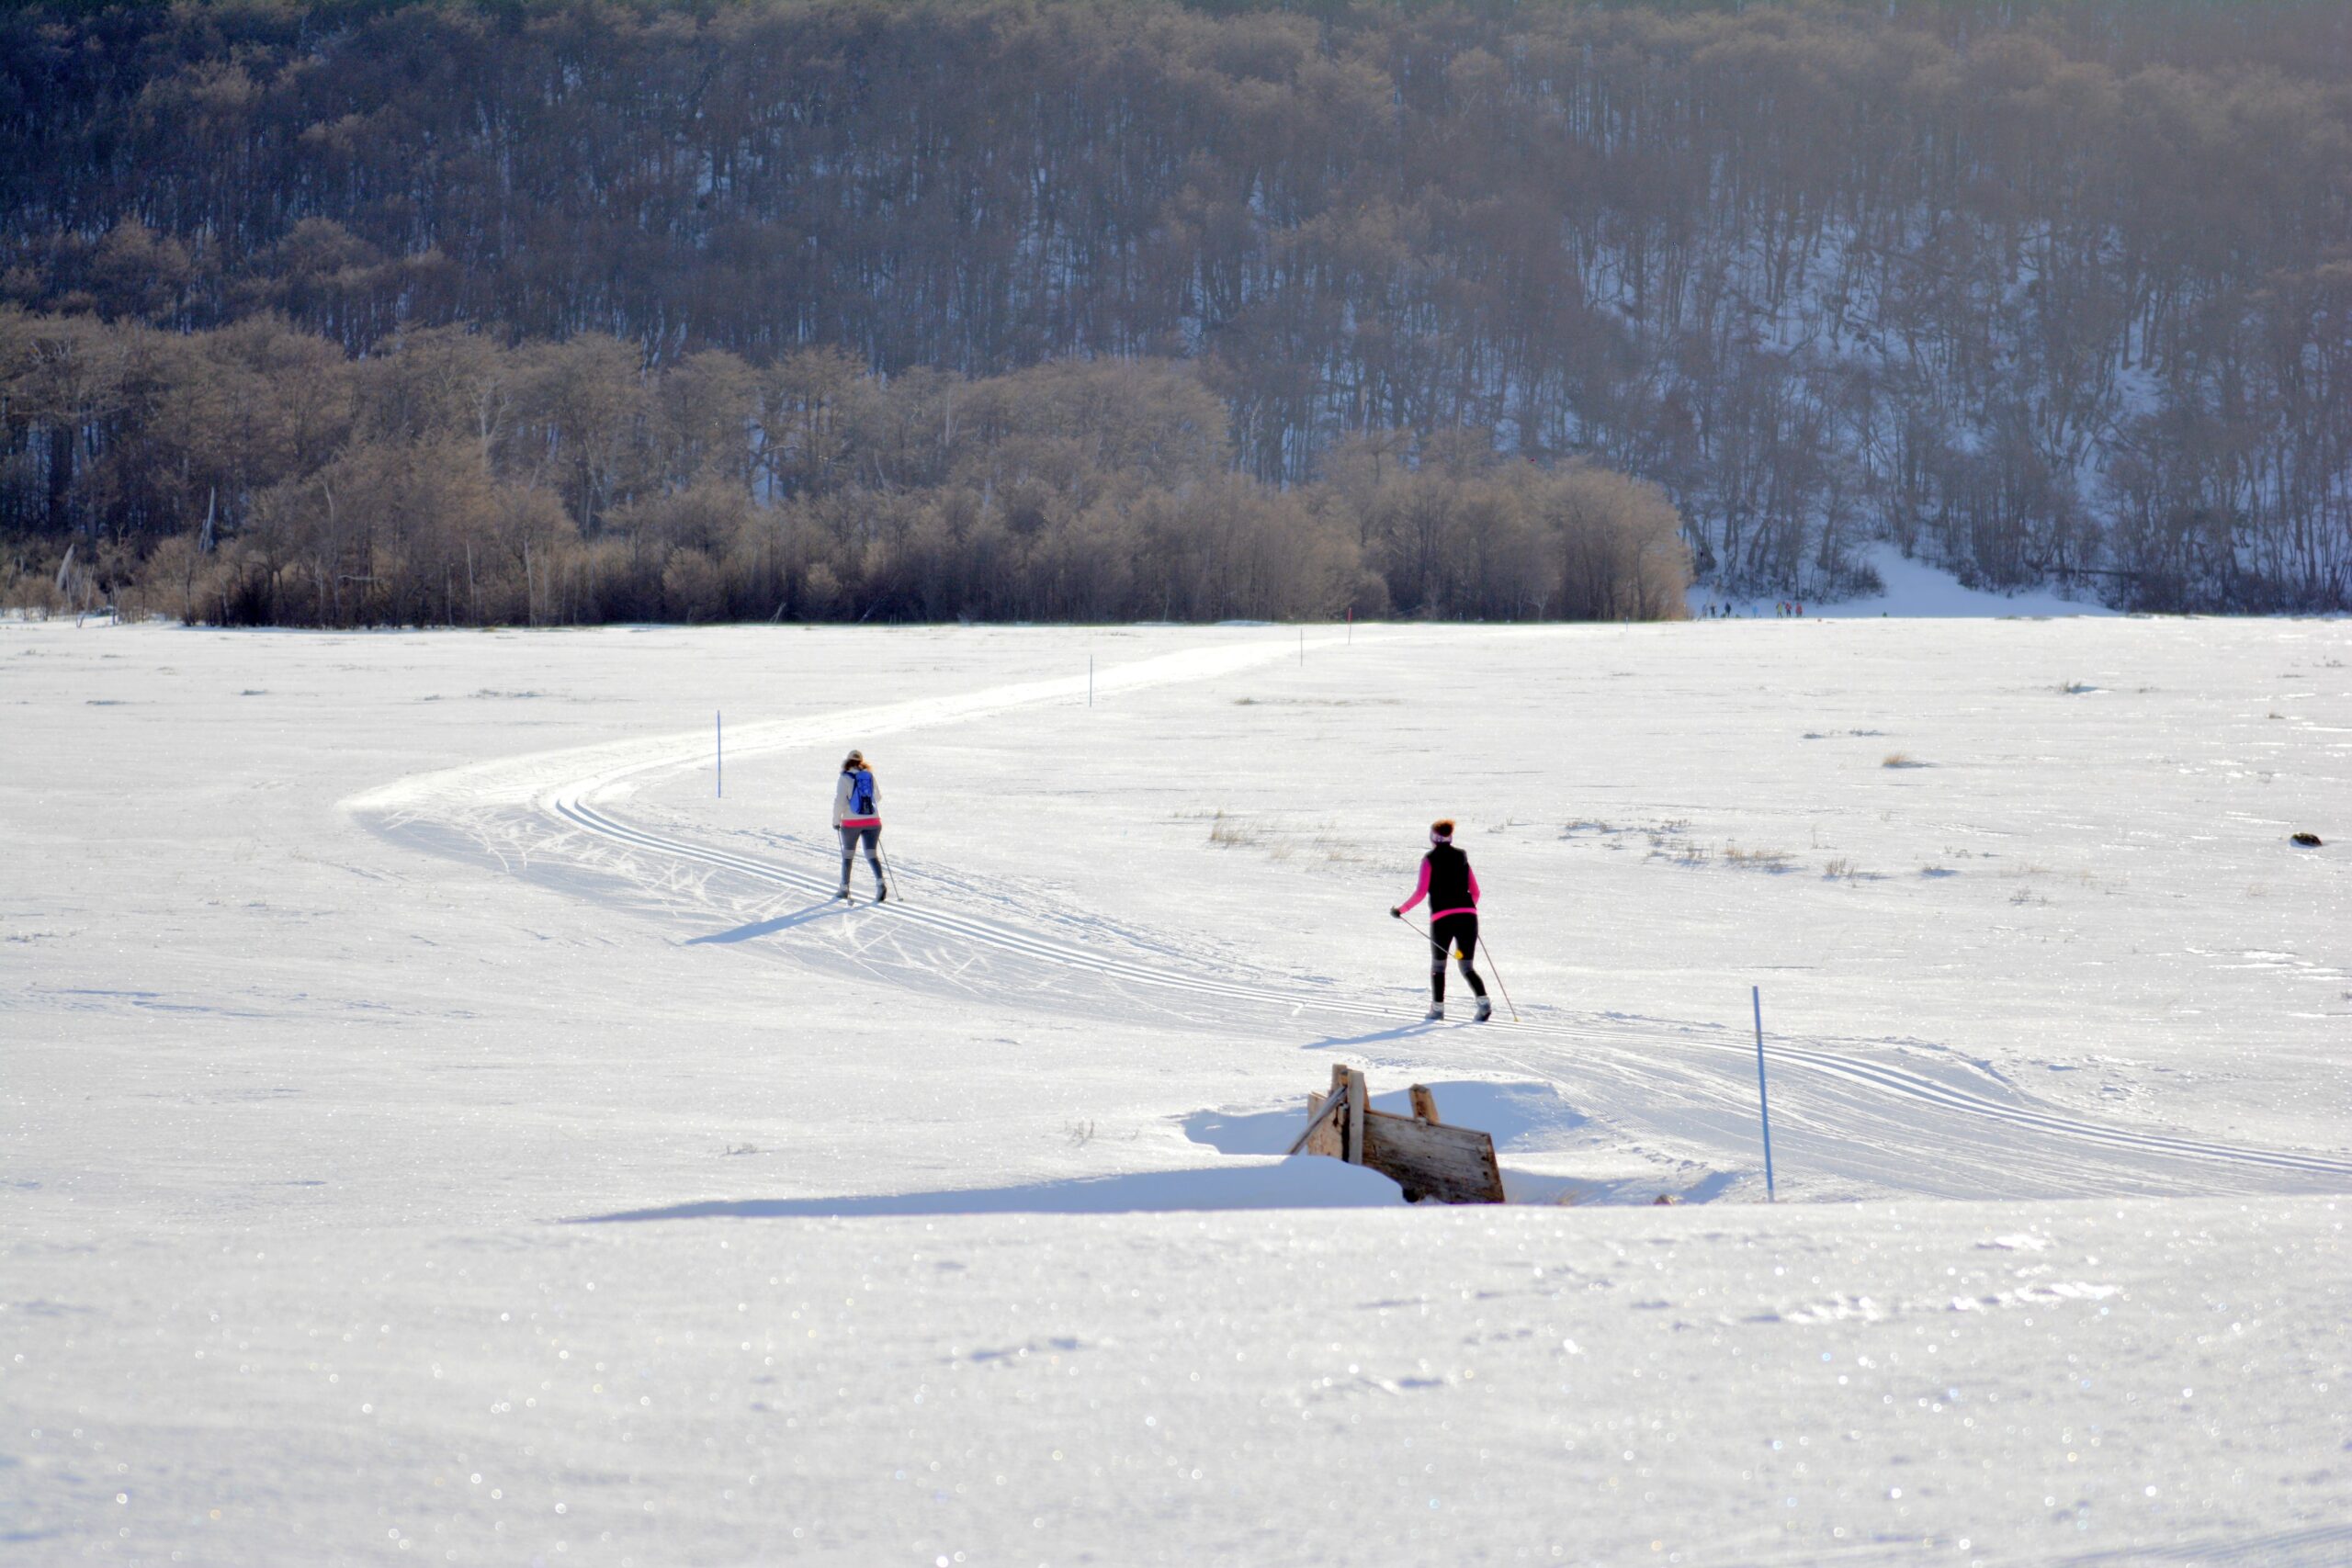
[(440, 1125)]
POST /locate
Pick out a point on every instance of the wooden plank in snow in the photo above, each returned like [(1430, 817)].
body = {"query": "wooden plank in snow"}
[(1359, 1103), (1428, 1159), (1420, 1154)]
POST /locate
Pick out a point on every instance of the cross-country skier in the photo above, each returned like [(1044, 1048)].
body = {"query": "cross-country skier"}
[(1451, 888), (858, 812)]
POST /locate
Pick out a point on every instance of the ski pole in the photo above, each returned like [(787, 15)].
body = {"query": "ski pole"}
[(1490, 963), (1763, 1102), (888, 875), (1498, 976), (1426, 939)]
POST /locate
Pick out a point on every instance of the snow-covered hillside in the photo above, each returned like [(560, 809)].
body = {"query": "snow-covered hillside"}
[(445, 1124), (1908, 588)]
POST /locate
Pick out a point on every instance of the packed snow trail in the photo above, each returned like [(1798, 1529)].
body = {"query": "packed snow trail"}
[(1587, 1037), (1689, 1087), (469, 798)]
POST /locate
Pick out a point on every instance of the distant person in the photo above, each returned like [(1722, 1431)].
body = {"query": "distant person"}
[(1451, 888), (857, 813)]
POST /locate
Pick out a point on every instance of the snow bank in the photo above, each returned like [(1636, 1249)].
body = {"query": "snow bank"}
[(1302, 1181)]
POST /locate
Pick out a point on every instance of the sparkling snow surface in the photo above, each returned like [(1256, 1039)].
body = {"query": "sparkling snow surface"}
[(440, 1129)]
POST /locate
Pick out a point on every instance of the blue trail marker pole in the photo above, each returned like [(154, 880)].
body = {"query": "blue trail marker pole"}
[(719, 728), (1763, 1104)]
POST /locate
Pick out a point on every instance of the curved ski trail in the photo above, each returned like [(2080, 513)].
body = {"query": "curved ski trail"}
[(501, 810)]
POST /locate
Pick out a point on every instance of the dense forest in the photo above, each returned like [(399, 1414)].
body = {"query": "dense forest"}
[(445, 479), (1047, 307)]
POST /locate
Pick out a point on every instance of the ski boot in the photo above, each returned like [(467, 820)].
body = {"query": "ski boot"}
[(843, 892), (1436, 1013), (881, 892), (1485, 1009)]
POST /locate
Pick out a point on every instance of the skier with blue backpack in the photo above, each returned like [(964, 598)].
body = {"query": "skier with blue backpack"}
[(1451, 888), (857, 814)]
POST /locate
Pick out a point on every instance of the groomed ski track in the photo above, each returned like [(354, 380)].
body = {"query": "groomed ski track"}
[(1586, 1037), (1626, 1073)]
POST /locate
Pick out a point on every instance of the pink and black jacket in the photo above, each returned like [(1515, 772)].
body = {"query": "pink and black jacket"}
[(1447, 882)]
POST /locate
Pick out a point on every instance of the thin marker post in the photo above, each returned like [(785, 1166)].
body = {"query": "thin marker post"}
[(1763, 1104)]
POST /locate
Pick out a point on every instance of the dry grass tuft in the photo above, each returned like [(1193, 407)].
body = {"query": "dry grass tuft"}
[(1321, 840), (1681, 851)]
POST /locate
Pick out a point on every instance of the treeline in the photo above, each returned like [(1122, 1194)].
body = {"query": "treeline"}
[(257, 475), (2039, 291)]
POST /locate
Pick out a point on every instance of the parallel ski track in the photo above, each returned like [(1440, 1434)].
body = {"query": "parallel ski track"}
[(569, 805)]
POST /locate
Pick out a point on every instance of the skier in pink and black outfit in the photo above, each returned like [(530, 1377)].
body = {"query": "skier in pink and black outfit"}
[(1451, 888)]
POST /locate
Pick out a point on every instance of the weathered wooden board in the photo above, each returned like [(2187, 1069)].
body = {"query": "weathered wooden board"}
[(1359, 1103), (1325, 1131), (1455, 1165)]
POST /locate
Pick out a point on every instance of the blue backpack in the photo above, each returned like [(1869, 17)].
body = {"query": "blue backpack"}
[(861, 794)]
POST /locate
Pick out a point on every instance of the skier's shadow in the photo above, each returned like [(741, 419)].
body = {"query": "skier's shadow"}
[(1402, 1031), (769, 927)]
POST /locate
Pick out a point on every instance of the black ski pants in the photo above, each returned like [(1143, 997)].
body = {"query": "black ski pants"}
[(1459, 933)]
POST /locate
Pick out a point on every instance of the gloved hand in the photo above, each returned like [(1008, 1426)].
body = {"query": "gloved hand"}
[(1395, 914)]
